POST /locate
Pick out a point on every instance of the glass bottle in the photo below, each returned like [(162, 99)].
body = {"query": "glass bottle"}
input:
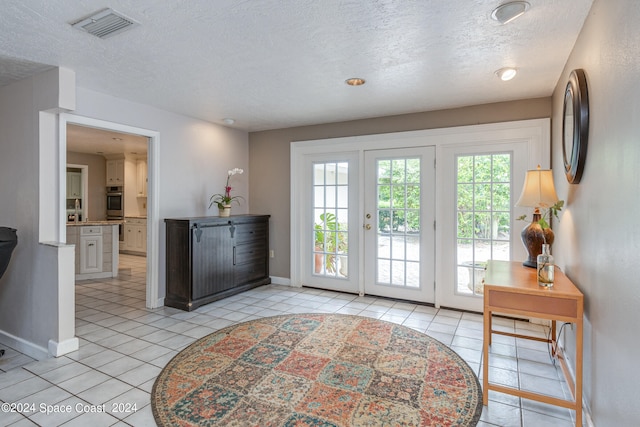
[(545, 267)]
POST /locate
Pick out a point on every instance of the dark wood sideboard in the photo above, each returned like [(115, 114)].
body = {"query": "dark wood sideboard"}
[(209, 258)]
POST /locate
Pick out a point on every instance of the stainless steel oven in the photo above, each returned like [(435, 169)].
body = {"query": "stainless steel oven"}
[(115, 203)]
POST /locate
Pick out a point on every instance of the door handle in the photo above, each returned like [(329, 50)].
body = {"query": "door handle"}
[(368, 226)]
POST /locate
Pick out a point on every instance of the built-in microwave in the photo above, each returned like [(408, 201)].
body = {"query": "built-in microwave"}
[(115, 203)]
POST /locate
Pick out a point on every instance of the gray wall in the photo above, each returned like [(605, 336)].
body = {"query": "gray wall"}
[(29, 315), (269, 156), (194, 157), (598, 236), (96, 193)]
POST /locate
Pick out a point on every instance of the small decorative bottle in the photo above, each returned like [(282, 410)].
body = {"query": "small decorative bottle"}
[(545, 267)]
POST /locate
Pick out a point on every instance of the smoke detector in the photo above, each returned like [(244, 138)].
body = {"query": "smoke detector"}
[(105, 23)]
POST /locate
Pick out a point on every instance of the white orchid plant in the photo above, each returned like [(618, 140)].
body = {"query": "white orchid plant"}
[(225, 199)]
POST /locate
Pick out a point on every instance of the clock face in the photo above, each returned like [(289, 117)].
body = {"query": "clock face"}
[(575, 126)]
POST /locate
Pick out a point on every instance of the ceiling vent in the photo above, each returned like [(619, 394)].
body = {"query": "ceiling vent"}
[(105, 23)]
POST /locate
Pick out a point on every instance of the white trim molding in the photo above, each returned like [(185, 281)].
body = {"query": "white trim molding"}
[(153, 202), (57, 349)]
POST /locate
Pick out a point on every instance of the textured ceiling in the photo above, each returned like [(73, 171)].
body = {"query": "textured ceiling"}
[(280, 63)]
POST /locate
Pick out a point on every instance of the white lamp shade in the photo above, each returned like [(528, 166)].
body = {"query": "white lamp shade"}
[(538, 190)]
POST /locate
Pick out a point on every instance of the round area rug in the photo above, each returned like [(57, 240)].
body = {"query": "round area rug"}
[(316, 370)]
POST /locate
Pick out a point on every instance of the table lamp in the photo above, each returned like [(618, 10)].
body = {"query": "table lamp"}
[(538, 192)]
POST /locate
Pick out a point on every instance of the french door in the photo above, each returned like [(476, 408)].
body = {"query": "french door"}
[(399, 219), (331, 235), (395, 233), (363, 212)]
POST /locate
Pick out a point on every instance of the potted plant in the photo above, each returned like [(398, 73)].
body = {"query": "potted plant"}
[(224, 200), (330, 238), (545, 214)]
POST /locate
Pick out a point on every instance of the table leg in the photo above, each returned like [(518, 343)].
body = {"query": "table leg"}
[(554, 339), (485, 356)]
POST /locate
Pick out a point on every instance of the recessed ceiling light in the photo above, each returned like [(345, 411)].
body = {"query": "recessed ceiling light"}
[(355, 81), (507, 12), (506, 73), (228, 121)]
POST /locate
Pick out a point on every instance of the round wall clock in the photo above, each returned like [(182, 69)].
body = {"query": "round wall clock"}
[(575, 126)]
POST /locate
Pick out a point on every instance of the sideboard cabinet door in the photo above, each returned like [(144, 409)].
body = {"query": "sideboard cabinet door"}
[(212, 261)]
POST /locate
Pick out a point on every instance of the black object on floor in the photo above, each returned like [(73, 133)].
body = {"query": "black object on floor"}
[(8, 242)]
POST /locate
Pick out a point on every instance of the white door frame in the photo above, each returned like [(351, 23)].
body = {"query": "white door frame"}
[(153, 202), (536, 132)]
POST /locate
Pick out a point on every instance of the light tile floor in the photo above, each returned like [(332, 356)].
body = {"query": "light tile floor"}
[(123, 347)]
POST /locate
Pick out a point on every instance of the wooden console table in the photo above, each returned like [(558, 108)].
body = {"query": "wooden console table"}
[(512, 289)]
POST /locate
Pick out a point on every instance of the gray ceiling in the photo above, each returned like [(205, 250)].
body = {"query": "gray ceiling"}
[(281, 63), (82, 139)]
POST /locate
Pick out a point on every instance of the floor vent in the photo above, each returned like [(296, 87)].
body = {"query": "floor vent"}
[(105, 23)]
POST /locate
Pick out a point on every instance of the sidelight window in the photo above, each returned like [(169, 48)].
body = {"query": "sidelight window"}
[(330, 219)]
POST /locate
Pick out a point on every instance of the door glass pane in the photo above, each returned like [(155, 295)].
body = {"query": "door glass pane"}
[(398, 219), (331, 213), (483, 210)]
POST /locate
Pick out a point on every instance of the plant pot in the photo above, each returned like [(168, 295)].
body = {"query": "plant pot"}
[(344, 265), (225, 212), (318, 260)]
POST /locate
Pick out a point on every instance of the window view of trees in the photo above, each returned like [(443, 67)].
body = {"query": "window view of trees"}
[(483, 197), (399, 195), (398, 210), (483, 210)]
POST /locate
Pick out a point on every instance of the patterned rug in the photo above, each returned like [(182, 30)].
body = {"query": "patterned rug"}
[(316, 370)]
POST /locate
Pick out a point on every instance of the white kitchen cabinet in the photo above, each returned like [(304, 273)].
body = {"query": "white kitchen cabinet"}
[(96, 249), (135, 235), (74, 185), (141, 178), (90, 250), (115, 172)]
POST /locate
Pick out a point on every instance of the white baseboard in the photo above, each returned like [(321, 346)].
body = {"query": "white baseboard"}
[(586, 410), (158, 304), (586, 418), (101, 275), (57, 349), (23, 346), (280, 280)]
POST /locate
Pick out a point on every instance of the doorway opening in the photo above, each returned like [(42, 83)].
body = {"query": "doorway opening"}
[(137, 160)]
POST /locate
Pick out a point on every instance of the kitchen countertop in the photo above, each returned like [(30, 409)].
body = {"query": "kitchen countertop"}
[(90, 223)]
